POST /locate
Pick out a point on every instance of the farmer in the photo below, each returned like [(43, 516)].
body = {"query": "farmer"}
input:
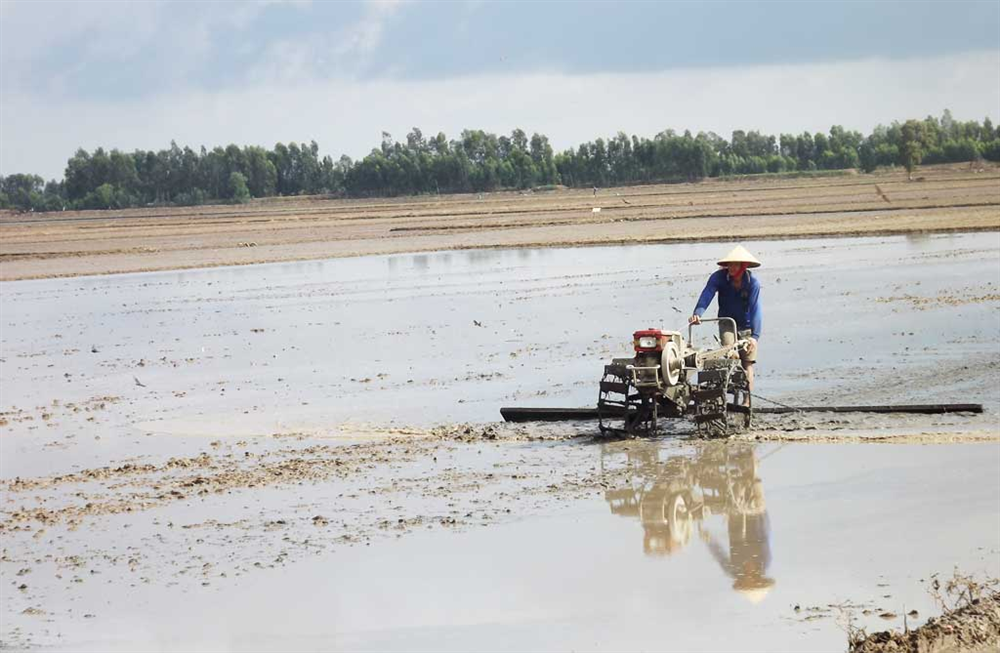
[(739, 298)]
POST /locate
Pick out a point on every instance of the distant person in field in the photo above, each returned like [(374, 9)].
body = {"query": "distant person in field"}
[(739, 298)]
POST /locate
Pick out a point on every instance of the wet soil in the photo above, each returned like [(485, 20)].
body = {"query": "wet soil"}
[(469, 519), (975, 627), (320, 442)]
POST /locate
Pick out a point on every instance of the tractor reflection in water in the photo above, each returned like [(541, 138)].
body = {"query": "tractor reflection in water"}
[(675, 498)]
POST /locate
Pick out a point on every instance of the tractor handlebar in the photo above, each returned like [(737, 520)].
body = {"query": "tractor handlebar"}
[(712, 319)]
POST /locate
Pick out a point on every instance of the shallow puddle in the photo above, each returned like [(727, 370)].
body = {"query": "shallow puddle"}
[(701, 547)]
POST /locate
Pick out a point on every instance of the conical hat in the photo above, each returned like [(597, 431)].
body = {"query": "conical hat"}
[(740, 255)]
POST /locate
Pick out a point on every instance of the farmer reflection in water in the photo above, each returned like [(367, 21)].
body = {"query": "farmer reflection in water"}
[(678, 496)]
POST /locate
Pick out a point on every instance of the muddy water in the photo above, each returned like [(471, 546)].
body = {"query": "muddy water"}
[(642, 573), (701, 547), (254, 378), (306, 347)]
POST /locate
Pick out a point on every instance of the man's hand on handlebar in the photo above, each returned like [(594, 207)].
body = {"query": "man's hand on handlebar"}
[(694, 319)]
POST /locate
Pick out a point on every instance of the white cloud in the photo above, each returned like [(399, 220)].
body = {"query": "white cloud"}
[(344, 51), (170, 40), (366, 34), (31, 30), (348, 116)]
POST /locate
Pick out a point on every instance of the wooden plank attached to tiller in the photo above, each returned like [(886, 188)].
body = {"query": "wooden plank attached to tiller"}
[(512, 414)]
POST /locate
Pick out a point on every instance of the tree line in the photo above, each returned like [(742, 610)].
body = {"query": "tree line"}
[(479, 161)]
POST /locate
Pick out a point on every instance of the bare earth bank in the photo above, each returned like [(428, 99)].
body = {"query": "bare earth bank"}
[(941, 199)]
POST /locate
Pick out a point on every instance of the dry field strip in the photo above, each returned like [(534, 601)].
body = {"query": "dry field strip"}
[(939, 199)]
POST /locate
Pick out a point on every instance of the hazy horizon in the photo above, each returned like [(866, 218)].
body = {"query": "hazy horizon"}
[(136, 76)]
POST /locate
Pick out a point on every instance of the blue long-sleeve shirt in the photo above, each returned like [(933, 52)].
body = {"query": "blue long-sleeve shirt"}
[(742, 305)]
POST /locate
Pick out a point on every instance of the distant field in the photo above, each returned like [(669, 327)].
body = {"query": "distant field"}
[(941, 198)]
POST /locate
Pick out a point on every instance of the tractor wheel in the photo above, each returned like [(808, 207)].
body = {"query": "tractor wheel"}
[(640, 420), (741, 410), (710, 411)]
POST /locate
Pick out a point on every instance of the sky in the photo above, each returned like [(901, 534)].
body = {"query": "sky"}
[(136, 75)]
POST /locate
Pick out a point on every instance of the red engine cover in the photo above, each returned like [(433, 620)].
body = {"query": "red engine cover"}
[(646, 333)]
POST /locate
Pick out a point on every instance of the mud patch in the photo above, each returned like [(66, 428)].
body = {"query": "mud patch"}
[(973, 628), (872, 437)]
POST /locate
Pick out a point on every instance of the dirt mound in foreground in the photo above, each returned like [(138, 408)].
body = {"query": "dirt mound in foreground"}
[(973, 628)]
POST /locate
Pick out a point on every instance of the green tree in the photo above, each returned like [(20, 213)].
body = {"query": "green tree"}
[(238, 191), (911, 145), (987, 133), (77, 176), (105, 196), (262, 176), (23, 192), (805, 151)]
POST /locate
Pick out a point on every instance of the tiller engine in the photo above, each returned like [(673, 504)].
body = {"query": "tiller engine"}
[(669, 377)]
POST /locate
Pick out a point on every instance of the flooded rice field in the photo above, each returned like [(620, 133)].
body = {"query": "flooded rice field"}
[(307, 456)]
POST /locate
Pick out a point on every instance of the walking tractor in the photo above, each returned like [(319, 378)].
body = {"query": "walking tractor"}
[(670, 377)]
